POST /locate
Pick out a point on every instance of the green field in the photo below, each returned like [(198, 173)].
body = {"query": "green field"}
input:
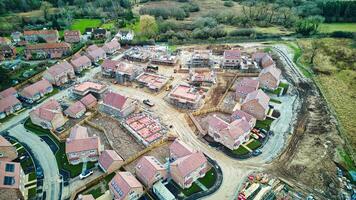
[(81, 24), (331, 27)]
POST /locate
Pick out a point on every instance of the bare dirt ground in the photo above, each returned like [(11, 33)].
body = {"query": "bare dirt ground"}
[(123, 143), (93, 131), (308, 160), (217, 91), (161, 153)]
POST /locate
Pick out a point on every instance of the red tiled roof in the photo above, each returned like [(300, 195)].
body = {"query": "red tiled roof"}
[(4, 142), (47, 46), (187, 164), (48, 110), (261, 97), (147, 167), (125, 181), (247, 85), (40, 32), (59, 68), (96, 53), (79, 141), (266, 61), (88, 100), (180, 149), (115, 100), (75, 108), (71, 33), (8, 92), (274, 71), (109, 65), (92, 47), (239, 114), (232, 54), (39, 86), (107, 157), (7, 102), (113, 44), (15, 174), (80, 61)]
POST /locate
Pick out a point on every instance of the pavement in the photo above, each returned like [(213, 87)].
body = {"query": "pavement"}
[(45, 157)]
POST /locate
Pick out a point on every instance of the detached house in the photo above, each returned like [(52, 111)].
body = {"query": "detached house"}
[(125, 186), (96, 54), (111, 47), (72, 36), (270, 77), (80, 147), (244, 87), (231, 58), (263, 59), (76, 110), (109, 161), (100, 33), (89, 101), (35, 91), (117, 105), (48, 116), (8, 92), (49, 36), (12, 178), (256, 104), (108, 67), (239, 114), (9, 105), (149, 170), (59, 74), (87, 87), (231, 135), (80, 63), (125, 35)]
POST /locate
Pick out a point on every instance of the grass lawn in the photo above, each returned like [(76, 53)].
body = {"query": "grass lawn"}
[(31, 176), (60, 155), (296, 57), (192, 190), (255, 144), (240, 151), (347, 160), (96, 192), (209, 179), (20, 50), (108, 25), (272, 30), (285, 86), (81, 24), (32, 193), (331, 27), (265, 124)]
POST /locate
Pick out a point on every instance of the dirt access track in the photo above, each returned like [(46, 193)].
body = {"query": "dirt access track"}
[(308, 161)]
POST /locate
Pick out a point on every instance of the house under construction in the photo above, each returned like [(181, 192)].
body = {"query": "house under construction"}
[(185, 96)]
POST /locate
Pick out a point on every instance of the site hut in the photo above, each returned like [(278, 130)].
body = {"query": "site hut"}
[(94, 88), (231, 59), (161, 191), (185, 96), (127, 72), (201, 59), (117, 105)]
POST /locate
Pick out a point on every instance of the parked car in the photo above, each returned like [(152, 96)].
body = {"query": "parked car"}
[(86, 174), (148, 102), (270, 133), (256, 152), (254, 136), (271, 107), (263, 130), (255, 130)]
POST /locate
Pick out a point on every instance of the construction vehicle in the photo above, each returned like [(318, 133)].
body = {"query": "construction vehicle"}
[(169, 87)]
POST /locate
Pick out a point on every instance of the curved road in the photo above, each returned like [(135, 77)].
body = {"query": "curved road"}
[(45, 157)]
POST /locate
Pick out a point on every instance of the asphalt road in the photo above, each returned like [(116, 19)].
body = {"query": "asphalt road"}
[(45, 157)]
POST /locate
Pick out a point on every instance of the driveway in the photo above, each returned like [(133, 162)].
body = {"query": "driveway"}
[(46, 158)]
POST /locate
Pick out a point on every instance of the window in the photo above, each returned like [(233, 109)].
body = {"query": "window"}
[(9, 167), (9, 180)]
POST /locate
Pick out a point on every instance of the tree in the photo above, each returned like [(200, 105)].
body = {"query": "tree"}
[(45, 7), (148, 26), (309, 26)]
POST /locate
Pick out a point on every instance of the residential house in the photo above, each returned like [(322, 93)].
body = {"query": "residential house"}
[(149, 170), (186, 170), (231, 135), (47, 50), (9, 105), (154, 82), (263, 59), (124, 186), (76, 110), (87, 87), (185, 96), (48, 115), (100, 33), (179, 149), (244, 87), (59, 74), (109, 161), (16, 36), (12, 177), (270, 77), (80, 147), (231, 58), (8, 152), (239, 114), (200, 59), (108, 67), (127, 35), (72, 36), (89, 101), (49, 36), (97, 55), (117, 105), (137, 54), (8, 92), (80, 63), (202, 77), (92, 47), (111, 47), (35, 91), (7, 51), (256, 104), (89, 31), (4, 41), (127, 72)]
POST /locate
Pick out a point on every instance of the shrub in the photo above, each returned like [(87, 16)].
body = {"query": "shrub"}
[(165, 13), (342, 34), (191, 7), (243, 32), (228, 3)]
